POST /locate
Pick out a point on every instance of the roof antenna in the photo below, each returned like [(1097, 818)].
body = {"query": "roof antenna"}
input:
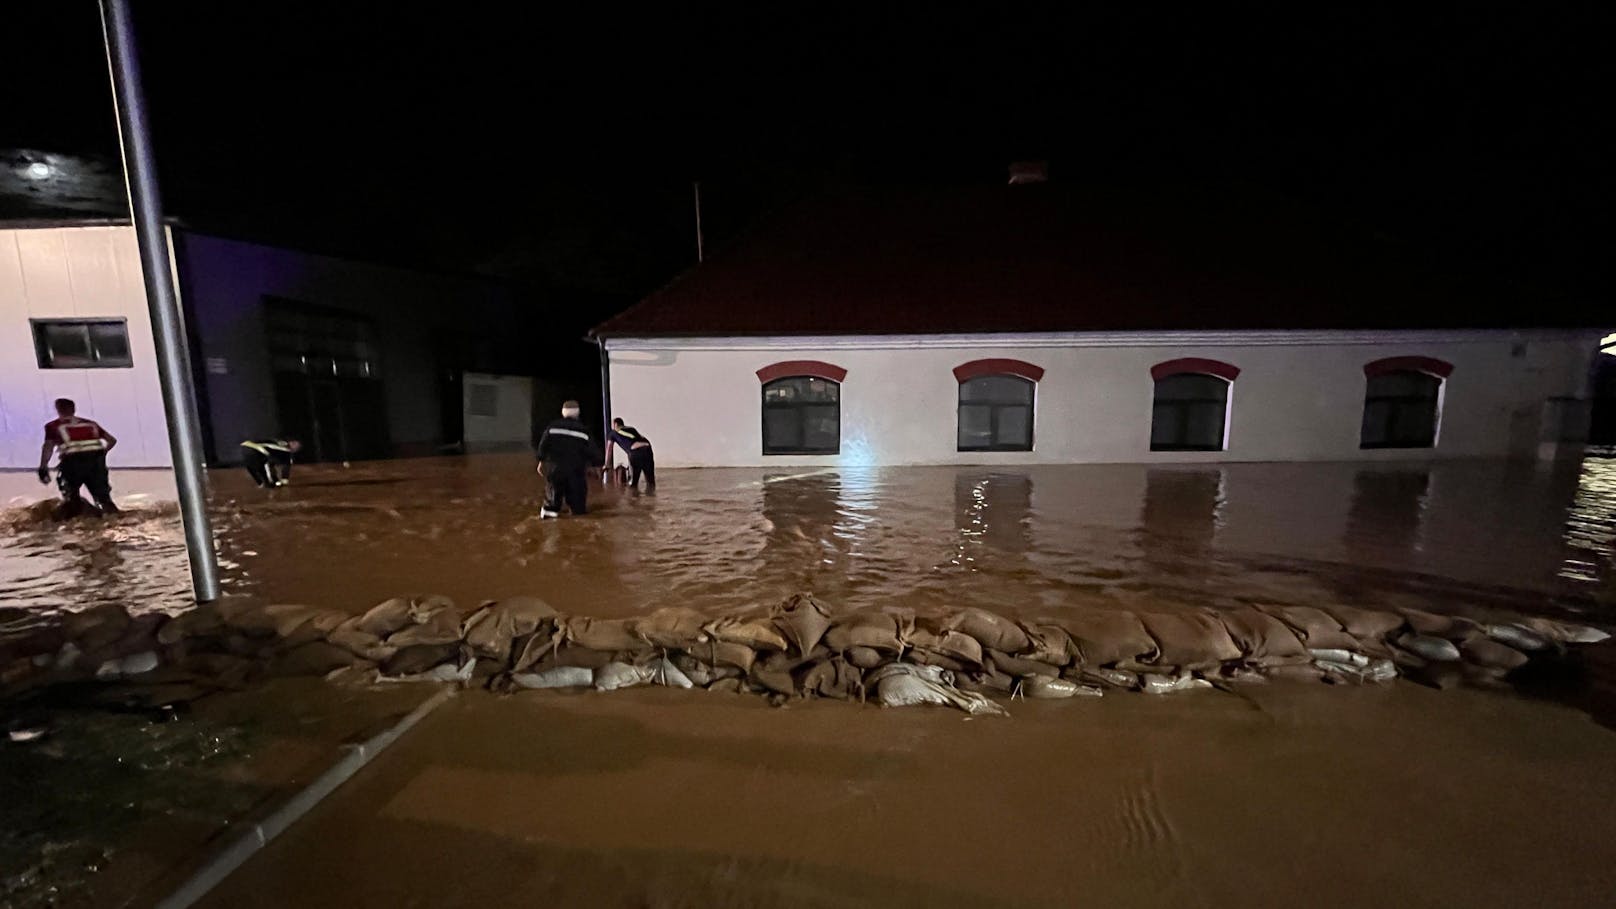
[(697, 186)]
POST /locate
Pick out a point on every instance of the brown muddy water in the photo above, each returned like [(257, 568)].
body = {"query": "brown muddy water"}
[(1295, 793)]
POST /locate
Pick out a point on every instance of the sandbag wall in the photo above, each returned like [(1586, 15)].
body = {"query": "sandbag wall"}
[(796, 648)]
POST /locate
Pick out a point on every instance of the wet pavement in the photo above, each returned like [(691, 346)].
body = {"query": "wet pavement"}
[(665, 798)]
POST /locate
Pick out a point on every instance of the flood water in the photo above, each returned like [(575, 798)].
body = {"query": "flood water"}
[(1382, 794)]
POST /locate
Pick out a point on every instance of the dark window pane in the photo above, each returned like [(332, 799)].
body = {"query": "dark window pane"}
[(1192, 387), (996, 390), (1015, 428), (975, 426), (67, 341), (995, 414), (801, 415), (1189, 413), (1400, 410), (111, 342)]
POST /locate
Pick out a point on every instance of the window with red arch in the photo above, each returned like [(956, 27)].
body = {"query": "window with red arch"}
[(996, 404), (1402, 402), (1190, 409), (802, 407)]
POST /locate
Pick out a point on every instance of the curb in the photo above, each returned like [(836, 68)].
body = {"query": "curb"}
[(233, 856)]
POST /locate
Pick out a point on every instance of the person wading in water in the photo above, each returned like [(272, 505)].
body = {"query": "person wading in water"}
[(638, 449), (565, 452), (82, 446), (269, 462)]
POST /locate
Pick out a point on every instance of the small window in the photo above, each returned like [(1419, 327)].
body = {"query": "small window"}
[(1400, 410), (1189, 413), (482, 399), (995, 414), (802, 415), (82, 343)]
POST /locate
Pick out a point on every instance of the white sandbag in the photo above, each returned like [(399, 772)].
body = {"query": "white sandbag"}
[(555, 677), (1046, 688), (1368, 671), (670, 675), (613, 676), (1156, 683), (133, 664), (1566, 632), (1337, 655), (909, 685), (1517, 636), (444, 672)]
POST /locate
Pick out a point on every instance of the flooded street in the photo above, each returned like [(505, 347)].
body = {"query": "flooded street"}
[(1329, 794)]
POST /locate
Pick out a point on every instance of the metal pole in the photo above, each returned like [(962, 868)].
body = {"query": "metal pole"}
[(146, 208), (699, 256)]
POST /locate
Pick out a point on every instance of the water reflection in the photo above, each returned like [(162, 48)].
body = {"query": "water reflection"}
[(1181, 516), (1387, 513)]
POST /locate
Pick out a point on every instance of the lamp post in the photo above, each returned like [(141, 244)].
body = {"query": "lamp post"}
[(146, 209)]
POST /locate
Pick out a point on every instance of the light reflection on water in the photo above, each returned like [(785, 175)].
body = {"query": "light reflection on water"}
[(1018, 539)]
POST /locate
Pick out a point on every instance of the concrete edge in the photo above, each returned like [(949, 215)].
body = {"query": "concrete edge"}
[(259, 835)]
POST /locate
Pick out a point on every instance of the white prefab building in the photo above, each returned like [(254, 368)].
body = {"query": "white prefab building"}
[(1014, 326)]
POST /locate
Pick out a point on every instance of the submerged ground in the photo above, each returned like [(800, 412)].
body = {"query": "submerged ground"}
[(1290, 793)]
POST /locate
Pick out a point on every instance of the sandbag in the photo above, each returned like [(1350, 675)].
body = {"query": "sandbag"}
[(203, 620), (1106, 637), (986, 681), (1364, 672), (441, 626), (1262, 639), (990, 630), (758, 634), (1044, 688), (832, 678), (1487, 652), (672, 627), (1429, 647), (1300, 672), (1365, 624), (1435, 625), (1566, 632), (802, 621), (875, 630), (724, 653), (386, 617), (1018, 666), (1113, 678), (613, 676), (361, 644), (573, 656), (1191, 639), (905, 685), (313, 658), (664, 672), (1157, 683), (1519, 636), (955, 645), (1049, 643), (419, 658), (96, 627), (491, 630), (866, 657), (774, 679), (444, 672), (555, 677), (1315, 627), (610, 635)]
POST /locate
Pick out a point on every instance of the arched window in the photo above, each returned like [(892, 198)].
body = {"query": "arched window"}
[(802, 415), (996, 404), (1402, 397), (1191, 406), (995, 414)]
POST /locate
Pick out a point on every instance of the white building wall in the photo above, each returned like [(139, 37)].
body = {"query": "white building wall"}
[(66, 272), (1299, 396)]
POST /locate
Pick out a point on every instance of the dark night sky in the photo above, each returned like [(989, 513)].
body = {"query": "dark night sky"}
[(558, 147)]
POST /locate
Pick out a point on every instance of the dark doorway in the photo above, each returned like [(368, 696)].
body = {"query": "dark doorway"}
[(328, 387)]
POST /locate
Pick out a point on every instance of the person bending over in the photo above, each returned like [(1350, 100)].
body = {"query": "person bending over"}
[(638, 448), (269, 461)]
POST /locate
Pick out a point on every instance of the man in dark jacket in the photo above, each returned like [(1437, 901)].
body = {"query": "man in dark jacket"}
[(565, 453), (638, 448)]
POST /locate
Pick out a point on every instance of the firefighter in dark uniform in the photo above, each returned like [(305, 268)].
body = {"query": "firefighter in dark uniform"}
[(269, 462), (638, 449), (565, 453), (81, 446)]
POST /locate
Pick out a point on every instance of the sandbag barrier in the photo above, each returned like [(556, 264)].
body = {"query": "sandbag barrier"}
[(798, 648)]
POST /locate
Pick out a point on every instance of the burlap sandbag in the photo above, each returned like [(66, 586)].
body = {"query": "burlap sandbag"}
[(725, 653), (1106, 637), (956, 645), (420, 658), (361, 644), (309, 624), (875, 630), (1365, 624), (928, 658), (572, 656), (203, 620), (802, 621), (1263, 639), (986, 681), (777, 680), (491, 630), (1442, 626), (1016, 666), (1484, 651), (313, 658), (1315, 627), (96, 627), (610, 635), (386, 617), (756, 633), (1050, 643), (1190, 639), (439, 626), (832, 678), (672, 627), (989, 629), (866, 657)]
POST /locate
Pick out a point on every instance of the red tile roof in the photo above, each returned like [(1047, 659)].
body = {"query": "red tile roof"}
[(1050, 258)]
